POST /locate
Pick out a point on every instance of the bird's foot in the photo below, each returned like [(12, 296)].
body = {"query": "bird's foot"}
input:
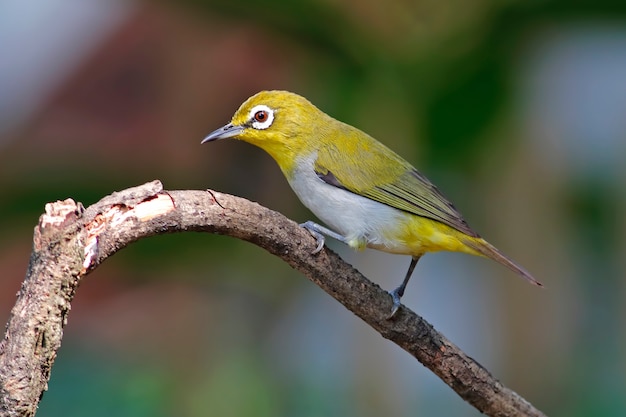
[(396, 295), (313, 228)]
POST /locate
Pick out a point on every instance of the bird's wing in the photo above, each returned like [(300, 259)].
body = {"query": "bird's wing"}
[(399, 185)]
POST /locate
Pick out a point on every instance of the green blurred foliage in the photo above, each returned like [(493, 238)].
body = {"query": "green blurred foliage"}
[(116, 387)]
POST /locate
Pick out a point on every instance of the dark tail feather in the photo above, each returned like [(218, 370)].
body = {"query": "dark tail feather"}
[(485, 248)]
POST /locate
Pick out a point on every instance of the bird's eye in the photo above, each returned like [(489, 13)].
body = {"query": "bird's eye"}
[(261, 117)]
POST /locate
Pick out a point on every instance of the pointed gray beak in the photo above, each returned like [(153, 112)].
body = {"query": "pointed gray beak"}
[(223, 132)]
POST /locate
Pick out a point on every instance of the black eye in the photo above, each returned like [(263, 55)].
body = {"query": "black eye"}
[(260, 116)]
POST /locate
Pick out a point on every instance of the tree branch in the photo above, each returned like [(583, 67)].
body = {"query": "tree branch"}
[(70, 241)]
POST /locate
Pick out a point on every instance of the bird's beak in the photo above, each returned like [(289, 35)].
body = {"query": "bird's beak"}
[(227, 131)]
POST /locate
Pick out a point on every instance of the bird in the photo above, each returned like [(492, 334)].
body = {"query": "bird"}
[(366, 194)]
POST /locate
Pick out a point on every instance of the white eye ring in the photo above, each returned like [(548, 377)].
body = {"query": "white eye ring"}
[(261, 117)]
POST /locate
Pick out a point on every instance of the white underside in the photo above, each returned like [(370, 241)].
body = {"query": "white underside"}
[(360, 220)]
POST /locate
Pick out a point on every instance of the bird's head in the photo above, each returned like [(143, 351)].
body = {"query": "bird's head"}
[(283, 124)]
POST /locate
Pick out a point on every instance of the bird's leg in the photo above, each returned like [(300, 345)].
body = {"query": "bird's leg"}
[(397, 294), (319, 232)]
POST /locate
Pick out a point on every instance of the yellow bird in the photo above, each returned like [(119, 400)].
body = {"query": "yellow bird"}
[(367, 194)]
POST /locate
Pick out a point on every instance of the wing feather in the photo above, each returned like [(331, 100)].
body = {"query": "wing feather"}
[(399, 185)]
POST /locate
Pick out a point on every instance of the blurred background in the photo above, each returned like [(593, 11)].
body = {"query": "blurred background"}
[(516, 109)]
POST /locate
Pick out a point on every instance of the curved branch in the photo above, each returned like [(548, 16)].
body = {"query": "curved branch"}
[(70, 241)]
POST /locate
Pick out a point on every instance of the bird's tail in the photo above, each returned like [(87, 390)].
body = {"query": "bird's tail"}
[(486, 249)]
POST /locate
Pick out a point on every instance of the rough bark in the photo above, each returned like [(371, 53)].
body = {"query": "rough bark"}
[(71, 241)]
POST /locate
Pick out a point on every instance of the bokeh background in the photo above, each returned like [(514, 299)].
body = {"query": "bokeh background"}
[(516, 109)]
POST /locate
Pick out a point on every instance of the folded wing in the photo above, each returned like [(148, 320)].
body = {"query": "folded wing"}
[(383, 176)]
